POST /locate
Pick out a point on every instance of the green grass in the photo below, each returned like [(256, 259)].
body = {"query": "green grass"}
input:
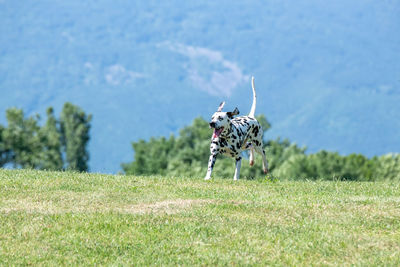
[(53, 218)]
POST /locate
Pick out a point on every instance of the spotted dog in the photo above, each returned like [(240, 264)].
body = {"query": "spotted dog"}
[(231, 136)]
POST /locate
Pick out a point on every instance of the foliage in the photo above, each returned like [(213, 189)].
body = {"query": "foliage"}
[(4, 151), (21, 139), (51, 139), (327, 165), (187, 155), (25, 144), (184, 155), (388, 166), (75, 126), (280, 150), (158, 150)]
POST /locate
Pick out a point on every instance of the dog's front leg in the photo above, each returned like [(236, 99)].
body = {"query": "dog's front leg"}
[(211, 162), (237, 170)]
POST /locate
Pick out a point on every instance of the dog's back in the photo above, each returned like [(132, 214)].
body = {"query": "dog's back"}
[(248, 129)]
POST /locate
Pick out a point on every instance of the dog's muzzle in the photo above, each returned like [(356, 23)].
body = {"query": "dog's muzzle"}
[(212, 125)]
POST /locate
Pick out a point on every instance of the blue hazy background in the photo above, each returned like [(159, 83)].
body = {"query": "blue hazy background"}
[(327, 72)]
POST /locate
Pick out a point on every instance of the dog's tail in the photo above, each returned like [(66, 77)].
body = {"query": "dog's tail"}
[(253, 106)]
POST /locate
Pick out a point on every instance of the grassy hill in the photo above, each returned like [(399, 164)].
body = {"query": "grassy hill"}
[(55, 218)]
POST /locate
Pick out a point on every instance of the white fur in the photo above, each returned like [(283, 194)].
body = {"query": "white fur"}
[(253, 106)]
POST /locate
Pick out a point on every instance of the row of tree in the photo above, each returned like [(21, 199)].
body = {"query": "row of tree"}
[(59, 144), (187, 155)]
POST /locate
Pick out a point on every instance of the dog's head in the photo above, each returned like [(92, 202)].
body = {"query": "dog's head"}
[(220, 120)]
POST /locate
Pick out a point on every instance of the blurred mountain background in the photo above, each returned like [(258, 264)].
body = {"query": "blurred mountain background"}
[(327, 72)]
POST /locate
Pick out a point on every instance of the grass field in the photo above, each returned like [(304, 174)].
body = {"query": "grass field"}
[(54, 218)]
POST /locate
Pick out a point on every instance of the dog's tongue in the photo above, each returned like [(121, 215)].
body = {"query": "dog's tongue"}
[(217, 132)]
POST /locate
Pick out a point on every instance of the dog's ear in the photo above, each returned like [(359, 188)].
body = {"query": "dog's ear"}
[(221, 106), (233, 113)]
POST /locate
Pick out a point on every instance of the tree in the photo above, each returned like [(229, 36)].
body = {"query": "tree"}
[(75, 126), (263, 122), (25, 144), (5, 156), (50, 137), (21, 139), (281, 150), (151, 157)]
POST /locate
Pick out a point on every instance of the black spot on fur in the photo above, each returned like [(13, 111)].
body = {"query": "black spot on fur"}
[(212, 164), (223, 142), (255, 131)]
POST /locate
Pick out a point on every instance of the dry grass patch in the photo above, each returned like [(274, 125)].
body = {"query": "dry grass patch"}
[(84, 205), (167, 206)]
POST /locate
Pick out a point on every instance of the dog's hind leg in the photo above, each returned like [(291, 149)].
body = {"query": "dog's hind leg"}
[(250, 147), (237, 170), (261, 151), (251, 158)]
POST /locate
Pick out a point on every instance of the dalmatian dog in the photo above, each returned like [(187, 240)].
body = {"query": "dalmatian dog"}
[(232, 136)]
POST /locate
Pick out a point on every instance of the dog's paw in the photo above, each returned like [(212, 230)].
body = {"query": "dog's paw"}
[(207, 178), (251, 163)]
